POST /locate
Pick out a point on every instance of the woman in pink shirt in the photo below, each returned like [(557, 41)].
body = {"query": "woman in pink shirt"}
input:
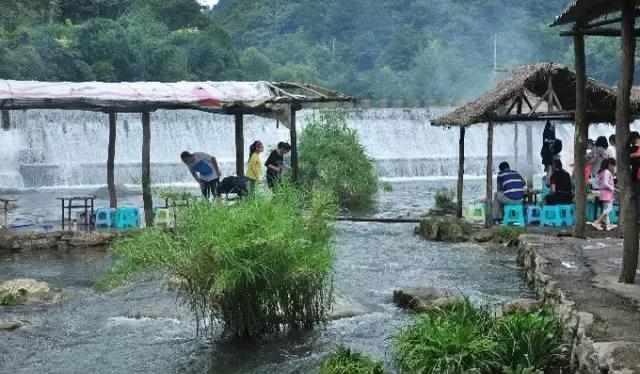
[(607, 191)]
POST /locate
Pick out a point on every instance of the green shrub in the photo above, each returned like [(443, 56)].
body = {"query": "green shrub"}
[(332, 157), (507, 234), (528, 340), (344, 361), (454, 340), (260, 266), (444, 200), (387, 187)]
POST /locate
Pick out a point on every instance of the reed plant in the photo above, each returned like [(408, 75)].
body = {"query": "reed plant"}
[(332, 157), (260, 266), (345, 361)]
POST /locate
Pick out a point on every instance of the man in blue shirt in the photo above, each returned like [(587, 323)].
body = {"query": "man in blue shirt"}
[(205, 170), (511, 189)]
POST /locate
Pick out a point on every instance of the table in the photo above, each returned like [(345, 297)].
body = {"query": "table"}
[(77, 202), (5, 210)]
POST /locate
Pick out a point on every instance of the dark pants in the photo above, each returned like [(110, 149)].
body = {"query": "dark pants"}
[(559, 198), (272, 179), (209, 188)]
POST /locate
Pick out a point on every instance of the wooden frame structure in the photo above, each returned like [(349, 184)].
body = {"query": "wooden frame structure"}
[(589, 18), (278, 100), (534, 93)]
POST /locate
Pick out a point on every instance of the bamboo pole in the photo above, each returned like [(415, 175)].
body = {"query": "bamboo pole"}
[(239, 132), (516, 146), (111, 155), (530, 167), (146, 169), (294, 146), (623, 119), (581, 136), (460, 172), (489, 185)]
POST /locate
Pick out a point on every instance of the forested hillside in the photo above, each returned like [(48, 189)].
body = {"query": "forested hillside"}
[(435, 51)]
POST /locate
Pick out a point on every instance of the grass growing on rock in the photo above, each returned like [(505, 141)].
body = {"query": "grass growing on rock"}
[(445, 200), (345, 361), (332, 157), (466, 339), (260, 266)]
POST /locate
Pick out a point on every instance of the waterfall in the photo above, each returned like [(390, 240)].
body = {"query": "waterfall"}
[(69, 148)]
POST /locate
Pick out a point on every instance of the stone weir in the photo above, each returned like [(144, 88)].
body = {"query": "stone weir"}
[(21, 241), (578, 278)]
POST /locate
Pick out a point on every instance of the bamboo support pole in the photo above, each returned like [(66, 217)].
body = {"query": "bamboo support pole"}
[(146, 169), (460, 189), (239, 134), (581, 136), (489, 185), (111, 154)]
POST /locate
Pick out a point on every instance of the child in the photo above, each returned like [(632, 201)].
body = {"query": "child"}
[(607, 190), (254, 168)]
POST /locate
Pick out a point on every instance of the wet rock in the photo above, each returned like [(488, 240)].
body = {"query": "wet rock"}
[(618, 357), (90, 239), (484, 236), (344, 307), (27, 291), (10, 325), (522, 305), (424, 298), (445, 229)]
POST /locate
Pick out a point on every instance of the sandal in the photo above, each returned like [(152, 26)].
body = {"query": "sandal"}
[(596, 226)]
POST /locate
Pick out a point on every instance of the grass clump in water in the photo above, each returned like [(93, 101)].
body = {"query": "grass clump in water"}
[(332, 157), (445, 200), (260, 266), (345, 361), (464, 338)]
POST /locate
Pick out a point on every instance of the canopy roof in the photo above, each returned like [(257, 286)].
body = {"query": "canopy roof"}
[(588, 10), (219, 97), (533, 93)]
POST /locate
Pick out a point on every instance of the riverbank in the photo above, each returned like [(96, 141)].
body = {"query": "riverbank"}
[(579, 278)]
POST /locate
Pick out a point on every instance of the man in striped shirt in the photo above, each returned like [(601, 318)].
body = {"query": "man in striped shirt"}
[(511, 189)]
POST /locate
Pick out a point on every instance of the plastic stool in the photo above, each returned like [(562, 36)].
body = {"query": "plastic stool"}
[(105, 217), (551, 216), (127, 218), (592, 210), (568, 214), (534, 214), (614, 216), (163, 217), (514, 215), (475, 213)]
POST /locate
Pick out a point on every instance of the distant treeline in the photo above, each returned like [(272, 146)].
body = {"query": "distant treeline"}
[(410, 51)]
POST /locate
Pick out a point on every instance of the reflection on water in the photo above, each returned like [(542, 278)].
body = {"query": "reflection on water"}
[(141, 329)]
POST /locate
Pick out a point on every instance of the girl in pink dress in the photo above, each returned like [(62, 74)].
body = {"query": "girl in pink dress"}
[(607, 191)]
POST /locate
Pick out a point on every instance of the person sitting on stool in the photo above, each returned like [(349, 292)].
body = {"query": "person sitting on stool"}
[(511, 189), (561, 186)]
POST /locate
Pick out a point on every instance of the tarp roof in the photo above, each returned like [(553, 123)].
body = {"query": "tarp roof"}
[(587, 10), (219, 97), (533, 82)]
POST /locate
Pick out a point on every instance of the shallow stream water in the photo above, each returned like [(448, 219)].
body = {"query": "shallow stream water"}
[(141, 329)]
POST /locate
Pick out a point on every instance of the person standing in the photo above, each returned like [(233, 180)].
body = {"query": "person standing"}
[(205, 171), (597, 155), (551, 147), (611, 151), (607, 191), (275, 163), (561, 186), (511, 189), (254, 168)]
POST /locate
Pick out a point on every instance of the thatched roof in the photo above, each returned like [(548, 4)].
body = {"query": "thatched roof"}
[(587, 10), (532, 81), (220, 97)]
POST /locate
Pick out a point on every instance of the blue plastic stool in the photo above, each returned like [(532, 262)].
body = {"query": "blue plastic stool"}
[(568, 214), (163, 217), (514, 215), (614, 216), (592, 210), (127, 218), (558, 215), (105, 217), (534, 214)]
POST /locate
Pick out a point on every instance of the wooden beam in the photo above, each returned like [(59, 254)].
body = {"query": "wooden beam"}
[(489, 175), (460, 189), (146, 169), (581, 136), (610, 32), (628, 196), (294, 146), (239, 132), (111, 155), (6, 120)]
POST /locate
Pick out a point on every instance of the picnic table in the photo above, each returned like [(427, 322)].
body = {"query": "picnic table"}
[(77, 202)]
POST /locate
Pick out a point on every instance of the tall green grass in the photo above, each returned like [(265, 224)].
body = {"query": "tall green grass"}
[(345, 361), (260, 266), (467, 339), (332, 157)]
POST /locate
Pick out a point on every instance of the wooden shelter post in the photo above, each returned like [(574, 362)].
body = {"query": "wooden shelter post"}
[(111, 155), (489, 187), (6, 120), (581, 136), (623, 119), (460, 172), (530, 167), (146, 169), (294, 145), (239, 132), (516, 150)]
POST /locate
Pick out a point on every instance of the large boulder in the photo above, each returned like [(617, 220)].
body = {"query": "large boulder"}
[(445, 229), (27, 291), (345, 307), (424, 299)]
